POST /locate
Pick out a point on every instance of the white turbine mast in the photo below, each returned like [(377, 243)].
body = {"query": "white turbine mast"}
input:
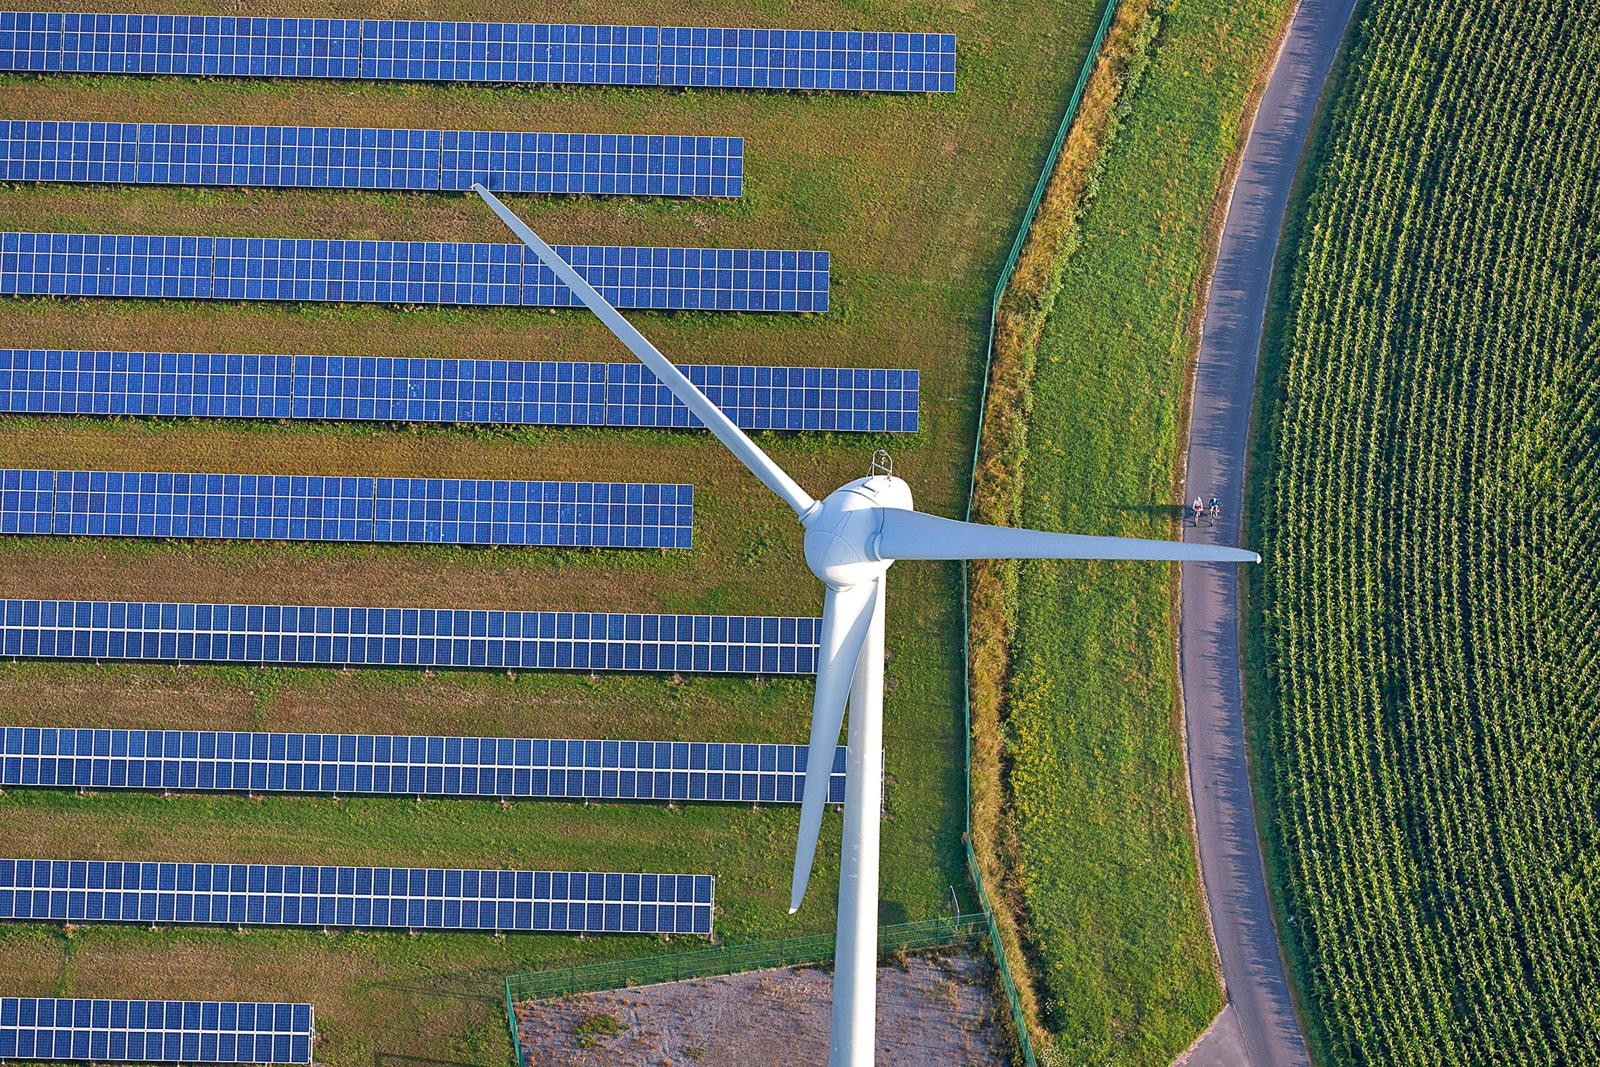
[(851, 538)]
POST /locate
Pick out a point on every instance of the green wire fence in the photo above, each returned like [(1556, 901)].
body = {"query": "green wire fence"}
[(930, 933), (1024, 1041)]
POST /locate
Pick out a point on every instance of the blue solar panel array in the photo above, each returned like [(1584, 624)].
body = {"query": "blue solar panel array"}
[(407, 637), (66, 264), (51, 42), (460, 511), (490, 391), (593, 164), (809, 59), (135, 504), (27, 502), (509, 52), (154, 1031), (364, 897), (868, 400), (241, 47), (320, 157), (406, 272), (408, 765), (279, 507)]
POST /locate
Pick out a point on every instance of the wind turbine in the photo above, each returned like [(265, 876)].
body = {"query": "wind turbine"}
[(851, 537)]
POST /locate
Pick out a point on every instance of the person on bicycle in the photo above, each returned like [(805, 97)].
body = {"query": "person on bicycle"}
[(1199, 508), (1214, 508)]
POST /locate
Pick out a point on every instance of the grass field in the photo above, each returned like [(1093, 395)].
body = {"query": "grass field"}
[(916, 197), (1425, 726), (1097, 799)]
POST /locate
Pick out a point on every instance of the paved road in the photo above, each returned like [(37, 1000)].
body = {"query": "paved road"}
[(1259, 1027)]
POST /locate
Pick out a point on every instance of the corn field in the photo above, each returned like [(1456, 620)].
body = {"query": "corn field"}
[(1428, 501)]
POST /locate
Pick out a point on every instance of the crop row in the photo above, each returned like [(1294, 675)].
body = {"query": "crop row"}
[(1428, 603)]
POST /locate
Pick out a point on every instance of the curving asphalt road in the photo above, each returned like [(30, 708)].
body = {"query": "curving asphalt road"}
[(1259, 1026)]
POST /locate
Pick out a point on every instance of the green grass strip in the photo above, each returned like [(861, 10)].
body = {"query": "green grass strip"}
[(1097, 778)]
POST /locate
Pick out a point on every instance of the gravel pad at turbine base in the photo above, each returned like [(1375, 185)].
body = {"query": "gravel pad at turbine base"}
[(933, 1008)]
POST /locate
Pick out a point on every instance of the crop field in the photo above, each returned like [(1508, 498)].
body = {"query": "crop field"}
[(915, 196), (1426, 504)]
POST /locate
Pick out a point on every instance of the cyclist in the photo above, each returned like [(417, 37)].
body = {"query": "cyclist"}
[(1199, 507), (1214, 508)]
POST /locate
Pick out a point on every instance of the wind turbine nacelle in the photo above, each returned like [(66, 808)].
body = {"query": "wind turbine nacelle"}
[(842, 534)]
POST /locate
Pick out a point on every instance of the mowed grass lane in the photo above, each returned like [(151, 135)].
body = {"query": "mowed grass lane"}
[(915, 196)]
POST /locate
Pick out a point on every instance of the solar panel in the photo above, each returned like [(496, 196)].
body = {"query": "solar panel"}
[(412, 898), (27, 502), (509, 52), (875, 400), (30, 41), (385, 272), (284, 156), (263, 507), (706, 279), (407, 637), (808, 59), (593, 164), (91, 264), (473, 391), (211, 45), (566, 514), (52, 381), (278, 507), (320, 157), (408, 765), (155, 1031), (523, 53), (406, 272), (479, 391)]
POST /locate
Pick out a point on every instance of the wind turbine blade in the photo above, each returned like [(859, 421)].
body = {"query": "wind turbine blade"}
[(914, 535), (716, 420), (846, 617)]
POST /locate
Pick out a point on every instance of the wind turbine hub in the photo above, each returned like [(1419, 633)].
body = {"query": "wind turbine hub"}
[(842, 533)]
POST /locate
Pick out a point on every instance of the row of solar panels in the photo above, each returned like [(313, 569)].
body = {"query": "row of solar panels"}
[(279, 507), (407, 637), (406, 272), (320, 157), (49, 42), (389, 273), (484, 391), (408, 765), (176, 1031), (412, 898)]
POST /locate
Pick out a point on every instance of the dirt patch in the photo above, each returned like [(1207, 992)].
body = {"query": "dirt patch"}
[(932, 1009)]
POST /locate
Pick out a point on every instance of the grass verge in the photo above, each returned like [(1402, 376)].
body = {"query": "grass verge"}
[(998, 484), (1090, 774)]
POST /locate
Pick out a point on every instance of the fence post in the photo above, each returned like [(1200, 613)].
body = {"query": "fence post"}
[(511, 1019)]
